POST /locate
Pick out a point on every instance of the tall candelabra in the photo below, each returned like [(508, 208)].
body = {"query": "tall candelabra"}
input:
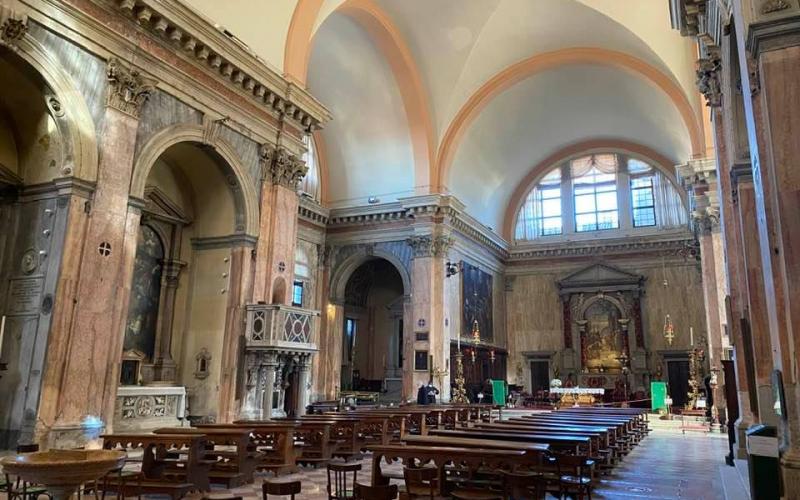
[(459, 391), (696, 359)]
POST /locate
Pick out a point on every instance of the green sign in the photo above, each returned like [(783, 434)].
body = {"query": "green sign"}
[(499, 392), (658, 393)]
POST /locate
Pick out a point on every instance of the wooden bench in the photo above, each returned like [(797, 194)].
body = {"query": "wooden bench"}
[(172, 464), (274, 442), (232, 449)]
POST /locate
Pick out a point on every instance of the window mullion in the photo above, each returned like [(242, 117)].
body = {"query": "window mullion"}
[(567, 201), (624, 195)]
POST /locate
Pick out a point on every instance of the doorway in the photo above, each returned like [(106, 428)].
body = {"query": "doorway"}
[(678, 381), (540, 375)]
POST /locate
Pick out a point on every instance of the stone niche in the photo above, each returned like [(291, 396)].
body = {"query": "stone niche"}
[(602, 323)]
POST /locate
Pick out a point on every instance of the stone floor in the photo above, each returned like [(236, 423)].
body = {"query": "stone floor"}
[(666, 465)]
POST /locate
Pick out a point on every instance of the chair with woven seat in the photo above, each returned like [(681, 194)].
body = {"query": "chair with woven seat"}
[(340, 487), (384, 492), (284, 488), (524, 485), (123, 479), (421, 482), (574, 476)]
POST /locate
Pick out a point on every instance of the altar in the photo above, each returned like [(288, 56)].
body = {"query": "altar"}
[(144, 408), (577, 396)]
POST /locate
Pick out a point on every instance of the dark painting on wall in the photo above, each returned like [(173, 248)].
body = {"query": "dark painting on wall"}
[(476, 291), (140, 331)]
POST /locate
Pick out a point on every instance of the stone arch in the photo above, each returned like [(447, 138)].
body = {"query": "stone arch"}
[(638, 151), (68, 109), (246, 198), (598, 297), (346, 269)]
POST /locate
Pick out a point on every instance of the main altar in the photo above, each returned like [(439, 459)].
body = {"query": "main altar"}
[(603, 332)]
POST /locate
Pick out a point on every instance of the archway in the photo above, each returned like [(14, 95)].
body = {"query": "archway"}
[(194, 215), (373, 356), (36, 146)]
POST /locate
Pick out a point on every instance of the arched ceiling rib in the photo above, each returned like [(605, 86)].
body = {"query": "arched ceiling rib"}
[(544, 113)]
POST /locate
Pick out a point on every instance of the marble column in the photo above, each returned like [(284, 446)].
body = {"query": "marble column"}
[(80, 384), (165, 369), (304, 381), (275, 251), (270, 364)]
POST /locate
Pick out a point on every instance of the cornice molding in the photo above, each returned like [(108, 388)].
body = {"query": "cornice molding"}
[(774, 34), (229, 241), (685, 247), (312, 212), (234, 63), (61, 186)]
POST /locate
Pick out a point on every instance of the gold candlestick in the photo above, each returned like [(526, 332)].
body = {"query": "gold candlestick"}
[(459, 395)]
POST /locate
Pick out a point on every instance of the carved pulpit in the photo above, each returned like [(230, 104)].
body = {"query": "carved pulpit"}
[(602, 326)]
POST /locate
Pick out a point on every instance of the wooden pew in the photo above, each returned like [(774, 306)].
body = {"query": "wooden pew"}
[(470, 460), (571, 443), (473, 441), (274, 442), (163, 455), (313, 442), (232, 468)]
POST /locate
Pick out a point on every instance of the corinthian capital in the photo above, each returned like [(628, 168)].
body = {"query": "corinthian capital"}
[(430, 246), (128, 89), (708, 81), (281, 167), (13, 26)]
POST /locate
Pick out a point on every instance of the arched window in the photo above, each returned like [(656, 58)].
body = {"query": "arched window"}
[(310, 186), (596, 193)]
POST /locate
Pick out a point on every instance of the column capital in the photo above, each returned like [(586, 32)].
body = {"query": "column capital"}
[(13, 26), (708, 80), (430, 246), (699, 178), (281, 167), (128, 89)]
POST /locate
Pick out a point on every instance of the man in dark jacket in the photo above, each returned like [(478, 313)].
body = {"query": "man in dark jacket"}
[(422, 395)]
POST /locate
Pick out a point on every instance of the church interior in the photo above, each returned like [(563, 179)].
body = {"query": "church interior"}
[(378, 249)]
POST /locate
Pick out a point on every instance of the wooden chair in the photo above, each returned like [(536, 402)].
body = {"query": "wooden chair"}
[(280, 488), (421, 482), (339, 488), (476, 494), (364, 492), (523, 485), (574, 475)]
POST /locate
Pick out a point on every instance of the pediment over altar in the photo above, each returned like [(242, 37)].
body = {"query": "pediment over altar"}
[(600, 277)]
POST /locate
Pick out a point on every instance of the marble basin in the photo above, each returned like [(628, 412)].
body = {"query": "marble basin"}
[(62, 471)]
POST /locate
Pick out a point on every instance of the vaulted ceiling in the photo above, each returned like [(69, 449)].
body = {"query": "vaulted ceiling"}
[(467, 96)]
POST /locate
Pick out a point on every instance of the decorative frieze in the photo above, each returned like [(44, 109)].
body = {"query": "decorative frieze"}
[(682, 247), (128, 89), (13, 26), (281, 167)]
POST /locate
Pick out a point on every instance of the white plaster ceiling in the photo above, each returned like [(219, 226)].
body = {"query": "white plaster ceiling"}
[(547, 112), (367, 145), (457, 46)]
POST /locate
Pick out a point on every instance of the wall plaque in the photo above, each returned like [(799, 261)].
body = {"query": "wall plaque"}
[(24, 296)]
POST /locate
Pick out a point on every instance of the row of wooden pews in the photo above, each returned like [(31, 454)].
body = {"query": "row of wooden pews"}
[(180, 460), (561, 451)]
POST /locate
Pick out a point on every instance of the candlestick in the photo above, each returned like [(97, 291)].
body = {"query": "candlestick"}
[(459, 342), (2, 333), (691, 336)]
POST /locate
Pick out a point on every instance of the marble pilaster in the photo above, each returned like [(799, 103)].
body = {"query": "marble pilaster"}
[(275, 251), (77, 390), (304, 381)]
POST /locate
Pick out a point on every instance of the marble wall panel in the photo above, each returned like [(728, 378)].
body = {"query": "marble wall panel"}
[(161, 111)]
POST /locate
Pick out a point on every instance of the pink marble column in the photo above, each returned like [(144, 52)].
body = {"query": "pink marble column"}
[(275, 251), (80, 382)]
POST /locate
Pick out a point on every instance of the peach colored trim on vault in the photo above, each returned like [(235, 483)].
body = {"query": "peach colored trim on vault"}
[(322, 162), (390, 41), (549, 60), (525, 185)]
